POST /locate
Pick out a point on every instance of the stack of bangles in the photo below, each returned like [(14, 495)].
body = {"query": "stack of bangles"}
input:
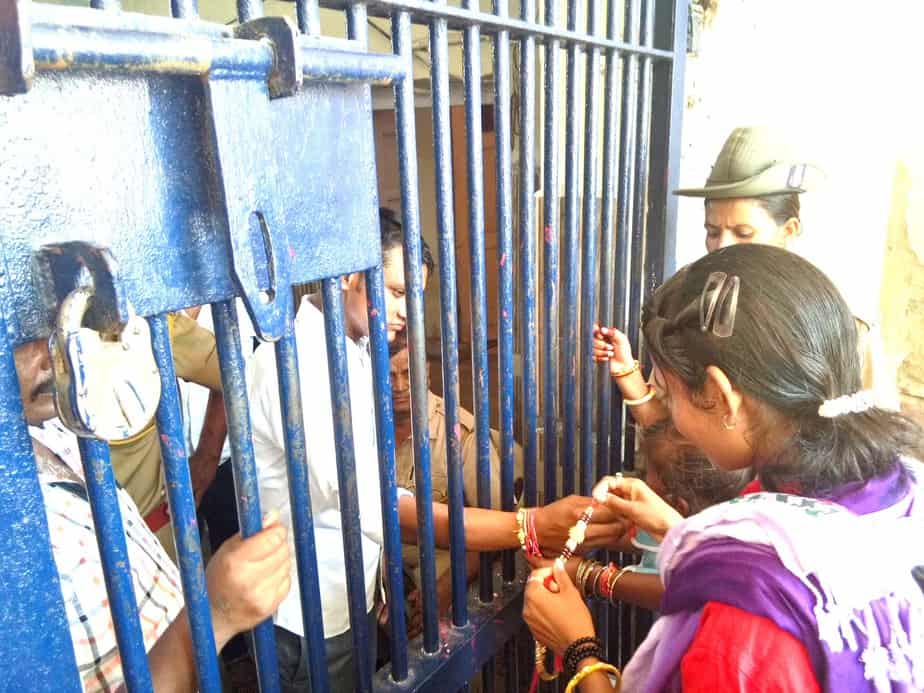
[(649, 394), (526, 533), (595, 580)]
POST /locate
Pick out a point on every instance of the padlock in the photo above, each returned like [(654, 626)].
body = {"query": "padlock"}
[(107, 386)]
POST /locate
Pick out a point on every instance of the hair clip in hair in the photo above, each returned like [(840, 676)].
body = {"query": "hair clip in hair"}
[(718, 304), (847, 404)]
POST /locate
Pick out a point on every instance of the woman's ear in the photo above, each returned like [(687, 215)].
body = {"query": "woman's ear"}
[(791, 229), (729, 400)]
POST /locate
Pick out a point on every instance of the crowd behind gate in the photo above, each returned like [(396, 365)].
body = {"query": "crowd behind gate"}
[(771, 449)]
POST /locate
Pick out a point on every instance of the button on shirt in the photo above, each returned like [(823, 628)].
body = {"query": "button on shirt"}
[(269, 451)]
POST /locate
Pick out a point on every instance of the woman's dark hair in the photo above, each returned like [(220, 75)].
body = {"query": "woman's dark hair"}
[(793, 346), (781, 206), (393, 237), (685, 471)]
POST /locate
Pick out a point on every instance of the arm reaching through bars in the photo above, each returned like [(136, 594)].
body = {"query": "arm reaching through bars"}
[(612, 346), (492, 530), (247, 579)]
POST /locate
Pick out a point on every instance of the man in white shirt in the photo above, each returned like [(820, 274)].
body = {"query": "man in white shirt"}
[(269, 451)]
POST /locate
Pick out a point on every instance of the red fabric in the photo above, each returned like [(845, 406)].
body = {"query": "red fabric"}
[(738, 652), (753, 487)]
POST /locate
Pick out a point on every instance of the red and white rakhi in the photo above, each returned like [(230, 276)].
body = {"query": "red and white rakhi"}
[(576, 536)]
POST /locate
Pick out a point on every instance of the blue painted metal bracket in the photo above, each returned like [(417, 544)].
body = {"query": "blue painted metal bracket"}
[(254, 208), (167, 225), (286, 75), (16, 65), (247, 176)]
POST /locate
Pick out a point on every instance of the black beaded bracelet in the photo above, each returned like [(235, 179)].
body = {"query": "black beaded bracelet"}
[(581, 649)]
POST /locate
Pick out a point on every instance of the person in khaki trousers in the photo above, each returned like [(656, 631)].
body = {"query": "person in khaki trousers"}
[(137, 461)]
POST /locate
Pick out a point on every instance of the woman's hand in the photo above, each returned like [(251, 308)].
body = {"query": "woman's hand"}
[(248, 578), (634, 500), (546, 564), (559, 618), (612, 345), (555, 520)]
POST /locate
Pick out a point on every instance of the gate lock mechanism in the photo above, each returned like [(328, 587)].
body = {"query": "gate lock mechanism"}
[(106, 384)]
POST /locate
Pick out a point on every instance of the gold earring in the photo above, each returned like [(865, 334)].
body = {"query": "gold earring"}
[(728, 423)]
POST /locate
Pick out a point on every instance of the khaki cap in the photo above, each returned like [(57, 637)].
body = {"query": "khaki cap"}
[(755, 162)]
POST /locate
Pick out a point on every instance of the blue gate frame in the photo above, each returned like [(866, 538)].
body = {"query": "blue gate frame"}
[(202, 159)]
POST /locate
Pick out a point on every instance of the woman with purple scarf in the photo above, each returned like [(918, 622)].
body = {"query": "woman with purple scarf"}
[(755, 354)]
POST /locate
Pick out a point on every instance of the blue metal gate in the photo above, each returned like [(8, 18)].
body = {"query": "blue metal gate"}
[(172, 162)]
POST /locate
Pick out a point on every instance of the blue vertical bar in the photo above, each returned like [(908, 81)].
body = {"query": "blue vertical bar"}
[(417, 349), (607, 278), (471, 48), (528, 323), (240, 437), (183, 509), (30, 589), (249, 9), (338, 372), (569, 375), (445, 226), (550, 257), (505, 263), (113, 553), (385, 431), (442, 147), (308, 17), (589, 258), (641, 183), (110, 5), (358, 30), (607, 248), (637, 269), (667, 108), (184, 9), (624, 201), (306, 556)]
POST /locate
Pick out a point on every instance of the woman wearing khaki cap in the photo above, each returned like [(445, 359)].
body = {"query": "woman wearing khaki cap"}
[(750, 196), (752, 193)]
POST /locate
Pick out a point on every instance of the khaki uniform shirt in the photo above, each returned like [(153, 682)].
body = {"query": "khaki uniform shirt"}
[(136, 461), (439, 471)]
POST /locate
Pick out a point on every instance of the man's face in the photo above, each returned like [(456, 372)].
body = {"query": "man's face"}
[(401, 382), (395, 291), (36, 382), (355, 303)]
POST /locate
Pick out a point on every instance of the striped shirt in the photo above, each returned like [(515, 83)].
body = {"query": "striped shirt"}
[(73, 541)]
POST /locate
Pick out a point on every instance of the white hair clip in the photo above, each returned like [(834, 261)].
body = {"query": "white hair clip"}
[(847, 404)]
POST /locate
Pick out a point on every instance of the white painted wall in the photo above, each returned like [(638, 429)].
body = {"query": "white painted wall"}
[(842, 77)]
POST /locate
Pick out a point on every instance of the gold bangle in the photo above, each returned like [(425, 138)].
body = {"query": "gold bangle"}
[(628, 371), (616, 578), (648, 396), (593, 669), (543, 673)]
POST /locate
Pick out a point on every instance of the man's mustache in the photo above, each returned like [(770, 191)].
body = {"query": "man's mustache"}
[(45, 387)]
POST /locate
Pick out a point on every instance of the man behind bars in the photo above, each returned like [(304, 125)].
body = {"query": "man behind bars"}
[(246, 579), (439, 473), (269, 451)]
